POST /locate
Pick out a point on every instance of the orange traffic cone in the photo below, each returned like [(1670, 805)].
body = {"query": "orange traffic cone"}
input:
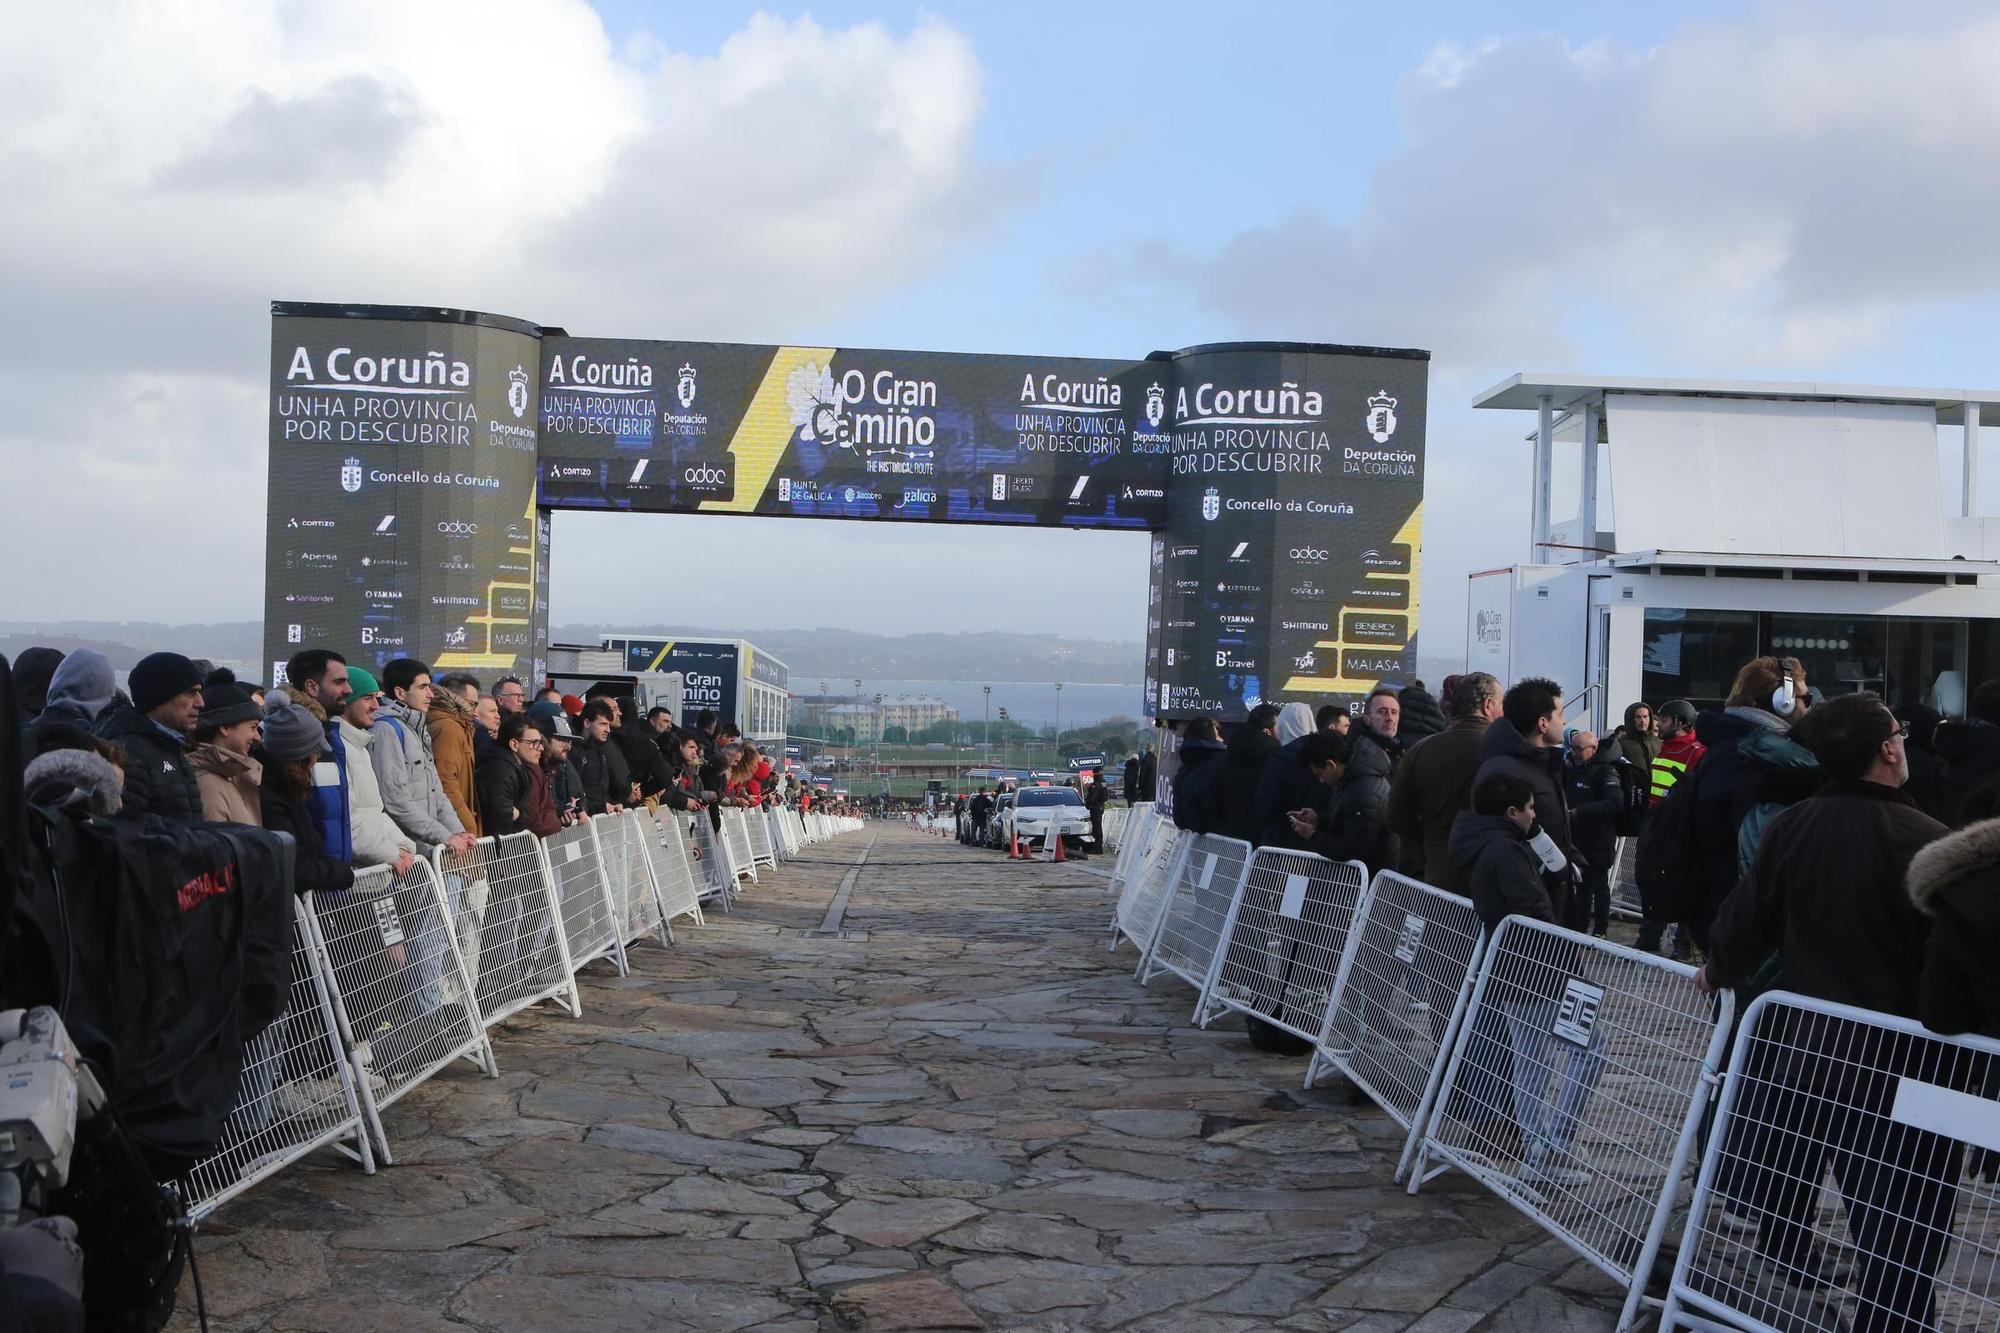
[(1014, 852), (1058, 838)]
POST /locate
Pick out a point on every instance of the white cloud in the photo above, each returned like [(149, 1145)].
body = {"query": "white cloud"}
[(172, 170)]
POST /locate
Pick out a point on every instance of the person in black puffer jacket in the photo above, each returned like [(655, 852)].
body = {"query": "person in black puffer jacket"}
[(294, 741), (1242, 764), (504, 782), (1970, 751), (1421, 715), (1358, 827), (1526, 741), (1197, 800), (153, 730)]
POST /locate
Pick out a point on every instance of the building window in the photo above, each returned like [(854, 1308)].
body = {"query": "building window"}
[(1694, 655)]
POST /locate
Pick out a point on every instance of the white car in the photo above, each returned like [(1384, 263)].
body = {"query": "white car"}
[(1038, 812)]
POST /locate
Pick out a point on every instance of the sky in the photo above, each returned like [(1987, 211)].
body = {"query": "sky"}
[(1734, 190)]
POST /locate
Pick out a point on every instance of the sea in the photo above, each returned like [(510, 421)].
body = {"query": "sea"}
[(1032, 703)]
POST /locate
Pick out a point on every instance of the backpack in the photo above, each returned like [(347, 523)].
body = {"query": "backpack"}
[(1636, 792), (1669, 876)]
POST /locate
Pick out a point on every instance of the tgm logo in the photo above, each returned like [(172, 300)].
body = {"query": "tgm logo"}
[(350, 475), (1306, 661), (1156, 405), (684, 389), (458, 527), (517, 392), (1310, 555), (1211, 504), (1381, 416)]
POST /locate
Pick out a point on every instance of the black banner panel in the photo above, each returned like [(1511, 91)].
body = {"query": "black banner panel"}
[(820, 432), (402, 515), (415, 454), (1289, 570)]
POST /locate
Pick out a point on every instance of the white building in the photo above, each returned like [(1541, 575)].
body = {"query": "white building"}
[(1709, 522), (915, 712)]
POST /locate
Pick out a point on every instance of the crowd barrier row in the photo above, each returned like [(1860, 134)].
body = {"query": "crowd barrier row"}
[(404, 975), (1820, 1169)]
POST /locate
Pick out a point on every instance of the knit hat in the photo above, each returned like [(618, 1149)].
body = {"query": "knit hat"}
[(362, 681), (544, 709), (159, 677), (572, 705), (224, 705), (291, 733)]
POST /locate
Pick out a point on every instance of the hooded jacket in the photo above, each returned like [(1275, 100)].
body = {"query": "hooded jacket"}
[(1196, 796), (1242, 765), (1750, 771), (1503, 749), (1359, 827), (32, 672), (1970, 751), (158, 780), (1640, 748), (1285, 785), (1826, 892), (1432, 785), (1501, 874), (376, 838), (1955, 881), (230, 785), (79, 693), (406, 772), (332, 797), (451, 726), (1421, 716)]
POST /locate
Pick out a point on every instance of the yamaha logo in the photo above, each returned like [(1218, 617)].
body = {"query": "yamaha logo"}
[(684, 390), (1211, 504), (517, 392), (350, 475), (458, 527), (1381, 417)]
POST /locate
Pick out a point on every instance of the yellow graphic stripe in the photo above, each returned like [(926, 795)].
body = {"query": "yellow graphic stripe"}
[(660, 656), (765, 431), (488, 657), (1411, 534)]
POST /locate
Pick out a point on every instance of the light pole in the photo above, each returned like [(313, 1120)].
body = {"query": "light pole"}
[(987, 744), (1058, 719)]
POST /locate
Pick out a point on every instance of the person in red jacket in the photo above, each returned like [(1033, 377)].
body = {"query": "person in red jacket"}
[(1679, 750)]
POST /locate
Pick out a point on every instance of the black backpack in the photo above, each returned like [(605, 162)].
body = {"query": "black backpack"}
[(1636, 790), (1670, 879)]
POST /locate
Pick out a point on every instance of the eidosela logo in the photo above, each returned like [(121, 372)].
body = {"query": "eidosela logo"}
[(1381, 416), (517, 391), (1156, 405), (350, 475), (684, 390), (811, 398), (1211, 504)]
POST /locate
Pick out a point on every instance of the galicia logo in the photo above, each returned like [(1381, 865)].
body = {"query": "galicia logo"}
[(1381, 416), (458, 527), (517, 391), (350, 475), (294, 633), (684, 390), (1211, 504), (784, 490), (1156, 405)]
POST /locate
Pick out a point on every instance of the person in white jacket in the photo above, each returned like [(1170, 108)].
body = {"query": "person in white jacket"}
[(377, 839)]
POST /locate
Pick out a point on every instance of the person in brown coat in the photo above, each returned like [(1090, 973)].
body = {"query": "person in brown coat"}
[(451, 725), (229, 778), (1434, 783)]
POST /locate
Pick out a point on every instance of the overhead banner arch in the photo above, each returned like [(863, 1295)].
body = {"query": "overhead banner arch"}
[(416, 454)]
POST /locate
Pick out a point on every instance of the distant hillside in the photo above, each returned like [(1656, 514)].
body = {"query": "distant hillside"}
[(831, 653), (990, 655)]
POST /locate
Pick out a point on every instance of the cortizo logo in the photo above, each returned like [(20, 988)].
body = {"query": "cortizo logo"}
[(1310, 555), (458, 527)]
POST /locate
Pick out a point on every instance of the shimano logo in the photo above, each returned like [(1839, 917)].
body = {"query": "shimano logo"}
[(458, 527), (1320, 626), (440, 600)]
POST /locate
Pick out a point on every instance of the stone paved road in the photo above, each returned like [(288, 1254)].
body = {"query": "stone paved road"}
[(959, 1112)]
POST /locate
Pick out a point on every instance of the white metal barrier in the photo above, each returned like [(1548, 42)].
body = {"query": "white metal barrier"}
[(736, 836), (508, 921), (1188, 939), (580, 879), (395, 973), (295, 1094), (630, 876), (1283, 943), (1144, 897), (1849, 1180), (1575, 1089), (757, 826), (717, 874), (1115, 820), (1133, 838), (674, 867), (1624, 878), (1399, 997)]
